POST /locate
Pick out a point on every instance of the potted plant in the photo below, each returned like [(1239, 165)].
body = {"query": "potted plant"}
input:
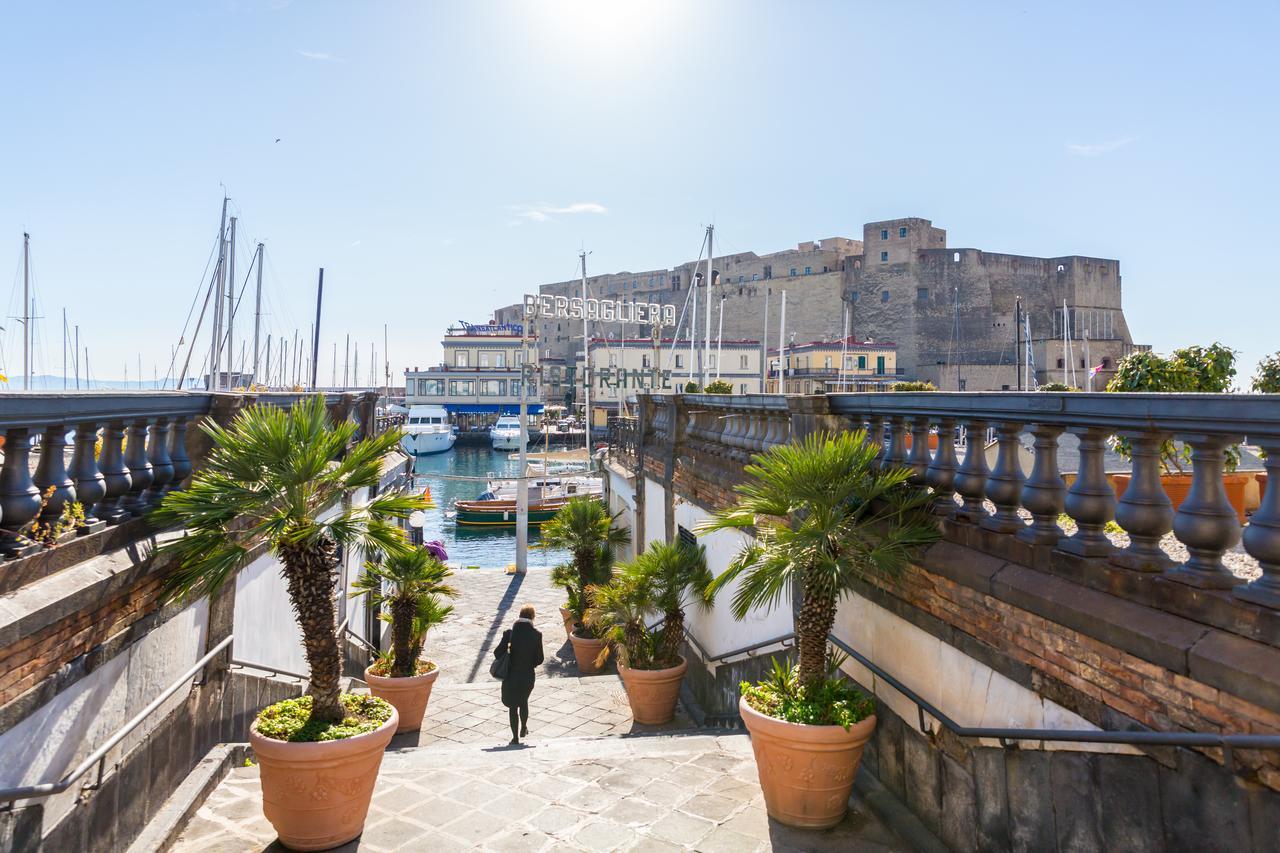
[(1194, 369), (719, 386), (649, 661), (279, 479), (584, 527), (822, 517), (1266, 381), (565, 577), (412, 587)]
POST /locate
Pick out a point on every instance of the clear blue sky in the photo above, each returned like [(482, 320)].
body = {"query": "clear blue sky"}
[(424, 147)]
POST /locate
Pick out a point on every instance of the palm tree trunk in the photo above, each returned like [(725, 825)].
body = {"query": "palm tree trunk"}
[(672, 637), (402, 613), (310, 571), (813, 624)]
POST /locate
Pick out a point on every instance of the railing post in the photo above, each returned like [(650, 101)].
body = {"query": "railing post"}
[(918, 458), (1144, 510), (1206, 522), (90, 487), (875, 435), (51, 473), (971, 478), (161, 464), (114, 474), (19, 497), (1044, 494), (1004, 484), (897, 455), (140, 471), (1262, 536), (178, 453), (1090, 502), (941, 475)]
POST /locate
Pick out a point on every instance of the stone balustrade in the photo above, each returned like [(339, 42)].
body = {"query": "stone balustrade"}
[(1007, 509), (127, 451)]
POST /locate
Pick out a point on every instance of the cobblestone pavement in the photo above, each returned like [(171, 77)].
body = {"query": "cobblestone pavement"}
[(695, 792)]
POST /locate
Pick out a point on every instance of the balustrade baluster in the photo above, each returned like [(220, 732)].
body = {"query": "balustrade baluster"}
[(19, 497), (1090, 502), (161, 464), (941, 475), (140, 471), (178, 454), (1144, 510), (971, 477), (115, 474), (55, 487), (90, 487), (875, 435), (918, 459), (1044, 493), (1262, 536), (1004, 483), (897, 455), (1206, 522)]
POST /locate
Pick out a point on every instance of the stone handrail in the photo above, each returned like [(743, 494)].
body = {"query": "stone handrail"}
[(129, 450), (718, 434)]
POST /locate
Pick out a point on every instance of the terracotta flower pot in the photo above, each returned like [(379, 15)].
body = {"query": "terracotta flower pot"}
[(653, 692), (1178, 486), (408, 695), (585, 652), (316, 795), (806, 772), (566, 616)]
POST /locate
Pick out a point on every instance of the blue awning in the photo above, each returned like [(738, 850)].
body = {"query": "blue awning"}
[(490, 408)]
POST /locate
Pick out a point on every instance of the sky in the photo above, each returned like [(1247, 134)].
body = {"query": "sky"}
[(441, 159)]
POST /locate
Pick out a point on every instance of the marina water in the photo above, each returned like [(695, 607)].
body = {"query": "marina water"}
[(461, 474)]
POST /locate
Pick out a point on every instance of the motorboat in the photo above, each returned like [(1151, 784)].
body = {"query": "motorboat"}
[(496, 507), (427, 430), (505, 434)]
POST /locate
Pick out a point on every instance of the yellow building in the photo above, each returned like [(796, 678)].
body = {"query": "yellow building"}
[(816, 367)]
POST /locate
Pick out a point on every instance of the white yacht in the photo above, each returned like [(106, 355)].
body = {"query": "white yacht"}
[(505, 434), (427, 430)]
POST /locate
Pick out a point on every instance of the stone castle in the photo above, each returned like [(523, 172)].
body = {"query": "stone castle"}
[(951, 311)]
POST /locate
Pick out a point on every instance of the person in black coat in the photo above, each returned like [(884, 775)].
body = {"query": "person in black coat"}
[(523, 643)]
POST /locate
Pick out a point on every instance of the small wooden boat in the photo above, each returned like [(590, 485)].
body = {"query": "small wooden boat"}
[(497, 506)]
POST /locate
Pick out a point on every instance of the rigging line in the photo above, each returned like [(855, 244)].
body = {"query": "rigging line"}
[(693, 289), (186, 323), (235, 308), (199, 322)]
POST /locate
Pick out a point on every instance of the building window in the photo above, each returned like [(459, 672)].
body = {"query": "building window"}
[(685, 536), (742, 362), (462, 387), (808, 270), (679, 360), (711, 360), (462, 358), (675, 281), (492, 387), (644, 360), (793, 271), (1061, 268), (862, 362), (768, 272), (902, 232), (515, 388), (884, 256), (960, 384), (755, 276), (884, 233), (826, 362), (1060, 363), (880, 364), (922, 293), (430, 387), (741, 279), (884, 296), (853, 297), (742, 389), (613, 359), (955, 257)]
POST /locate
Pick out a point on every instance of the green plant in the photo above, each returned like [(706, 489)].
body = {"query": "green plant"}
[(913, 386), (584, 527), (824, 517), (279, 479), (833, 701), (47, 533), (412, 586), (691, 387), (1267, 379), (295, 719), (719, 387), (1189, 370), (659, 580), (1057, 386)]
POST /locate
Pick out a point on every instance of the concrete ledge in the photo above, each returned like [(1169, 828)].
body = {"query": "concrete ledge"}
[(1247, 669), (166, 825)]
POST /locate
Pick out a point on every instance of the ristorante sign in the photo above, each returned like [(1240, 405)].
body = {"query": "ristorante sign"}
[(550, 307)]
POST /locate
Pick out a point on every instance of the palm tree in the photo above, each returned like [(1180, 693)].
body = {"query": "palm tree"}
[(674, 569), (278, 479), (617, 613), (823, 516), (412, 586), (584, 527)]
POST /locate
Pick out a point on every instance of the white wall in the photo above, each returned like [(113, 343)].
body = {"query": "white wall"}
[(655, 516), (51, 741), (968, 691)]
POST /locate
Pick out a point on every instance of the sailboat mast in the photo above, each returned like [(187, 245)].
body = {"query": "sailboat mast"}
[(26, 311), (64, 349), (257, 315), (216, 286), (764, 342), (231, 306), (586, 360), (315, 332), (76, 351), (706, 344), (719, 336)]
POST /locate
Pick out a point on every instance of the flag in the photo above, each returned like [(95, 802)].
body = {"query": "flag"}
[(1094, 371)]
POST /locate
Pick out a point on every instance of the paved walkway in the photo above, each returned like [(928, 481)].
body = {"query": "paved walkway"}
[(693, 792)]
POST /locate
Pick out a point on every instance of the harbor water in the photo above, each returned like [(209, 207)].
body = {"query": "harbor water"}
[(461, 474)]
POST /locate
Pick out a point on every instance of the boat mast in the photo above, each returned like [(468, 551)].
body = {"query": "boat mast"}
[(706, 344), (216, 287), (719, 336), (586, 358), (64, 349), (315, 333), (26, 311), (231, 305), (522, 481), (257, 315)]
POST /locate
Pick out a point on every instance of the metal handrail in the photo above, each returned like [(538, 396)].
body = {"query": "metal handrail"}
[(345, 628), (98, 756), (273, 670), (1226, 742)]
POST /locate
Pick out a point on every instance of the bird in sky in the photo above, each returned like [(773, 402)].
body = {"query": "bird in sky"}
[(277, 139)]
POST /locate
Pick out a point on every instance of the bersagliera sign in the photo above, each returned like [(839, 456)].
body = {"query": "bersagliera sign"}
[(546, 306)]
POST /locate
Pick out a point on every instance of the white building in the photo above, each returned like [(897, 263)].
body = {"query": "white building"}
[(480, 377)]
